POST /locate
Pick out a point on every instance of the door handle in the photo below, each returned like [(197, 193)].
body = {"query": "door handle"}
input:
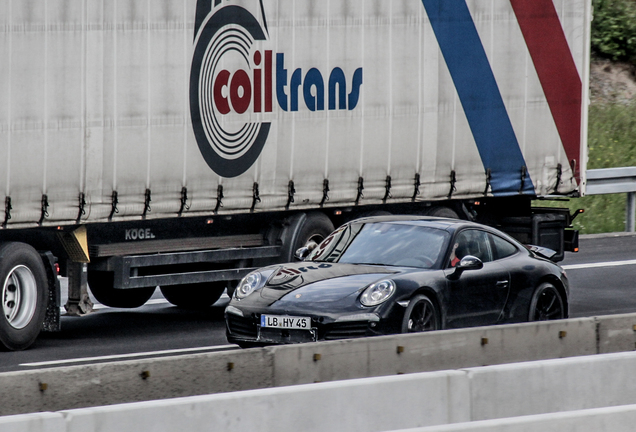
[(502, 284)]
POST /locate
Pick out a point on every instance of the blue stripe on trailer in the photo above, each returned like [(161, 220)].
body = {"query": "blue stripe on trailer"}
[(479, 95)]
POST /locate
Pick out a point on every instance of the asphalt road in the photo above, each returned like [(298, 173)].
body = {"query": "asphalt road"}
[(602, 276)]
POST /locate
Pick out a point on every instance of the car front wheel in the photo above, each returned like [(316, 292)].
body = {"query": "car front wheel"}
[(421, 315), (546, 304)]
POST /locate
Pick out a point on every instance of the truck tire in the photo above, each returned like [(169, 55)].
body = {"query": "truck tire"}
[(101, 285), (194, 296), (303, 229), (316, 228), (441, 211), (24, 295)]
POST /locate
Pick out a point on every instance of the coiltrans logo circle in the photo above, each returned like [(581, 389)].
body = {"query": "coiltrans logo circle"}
[(236, 82), (227, 36)]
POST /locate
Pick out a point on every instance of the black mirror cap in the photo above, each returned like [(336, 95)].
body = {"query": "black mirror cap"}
[(469, 262), (302, 253)]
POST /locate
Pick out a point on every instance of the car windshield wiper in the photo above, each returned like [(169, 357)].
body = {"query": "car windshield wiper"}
[(370, 264)]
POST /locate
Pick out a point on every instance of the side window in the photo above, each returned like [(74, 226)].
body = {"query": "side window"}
[(503, 248), (472, 242)]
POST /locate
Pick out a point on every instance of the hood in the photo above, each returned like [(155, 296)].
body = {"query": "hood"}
[(321, 282)]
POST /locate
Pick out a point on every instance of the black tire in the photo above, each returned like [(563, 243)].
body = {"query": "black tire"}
[(546, 304), (421, 315), (316, 227), (101, 285), (194, 296), (24, 294), (441, 211), (303, 229)]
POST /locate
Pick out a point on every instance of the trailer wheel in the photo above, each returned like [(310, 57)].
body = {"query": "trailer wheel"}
[(315, 229), (24, 295), (194, 296), (441, 211), (101, 285), (303, 229)]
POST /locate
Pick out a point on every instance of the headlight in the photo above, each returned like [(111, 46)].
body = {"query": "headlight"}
[(247, 285), (377, 293)]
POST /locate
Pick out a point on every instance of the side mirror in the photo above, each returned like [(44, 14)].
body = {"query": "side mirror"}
[(469, 262), (304, 251)]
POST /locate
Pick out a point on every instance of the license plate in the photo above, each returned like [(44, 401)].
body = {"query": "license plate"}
[(286, 322)]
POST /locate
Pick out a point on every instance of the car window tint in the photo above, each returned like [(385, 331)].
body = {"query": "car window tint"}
[(475, 243), (394, 244), (331, 248), (503, 248)]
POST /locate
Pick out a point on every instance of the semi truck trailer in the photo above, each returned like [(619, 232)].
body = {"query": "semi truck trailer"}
[(179, 144)]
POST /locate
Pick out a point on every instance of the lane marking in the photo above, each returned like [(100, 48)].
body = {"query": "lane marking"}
[(600, 264), (123, 356)]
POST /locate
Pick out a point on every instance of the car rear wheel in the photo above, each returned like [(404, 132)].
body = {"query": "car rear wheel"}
[(546, 304), (194, 296), (421, 315)]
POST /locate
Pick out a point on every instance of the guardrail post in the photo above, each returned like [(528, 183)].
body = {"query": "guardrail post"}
[(630, 212)]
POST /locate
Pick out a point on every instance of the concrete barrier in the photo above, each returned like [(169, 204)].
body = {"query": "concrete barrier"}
[(552, 386), (613, 419), (398, 402), (451, 349), (387, 403), (616, 333), (197, 374), (136, 380), (513, 397), (358, 405), (40, 422)]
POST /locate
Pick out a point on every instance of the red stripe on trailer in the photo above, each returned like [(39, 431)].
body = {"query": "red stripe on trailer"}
[(557, 72)]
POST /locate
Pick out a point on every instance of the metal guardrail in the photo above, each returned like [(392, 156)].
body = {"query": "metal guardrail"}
[(615, 180)]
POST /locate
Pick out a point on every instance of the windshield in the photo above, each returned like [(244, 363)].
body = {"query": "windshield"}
[(381, 243)]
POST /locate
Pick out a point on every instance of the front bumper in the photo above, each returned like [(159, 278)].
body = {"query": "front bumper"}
[(245, 328)]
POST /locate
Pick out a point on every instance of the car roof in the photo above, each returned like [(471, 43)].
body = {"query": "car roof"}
[(447, 224)]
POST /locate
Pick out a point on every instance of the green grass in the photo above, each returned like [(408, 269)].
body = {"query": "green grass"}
[(611, 143)]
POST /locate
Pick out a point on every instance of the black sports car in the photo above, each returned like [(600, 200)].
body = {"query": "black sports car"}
[(397, 274)]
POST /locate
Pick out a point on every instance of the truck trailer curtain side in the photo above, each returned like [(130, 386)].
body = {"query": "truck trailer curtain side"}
[(128, 99)]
